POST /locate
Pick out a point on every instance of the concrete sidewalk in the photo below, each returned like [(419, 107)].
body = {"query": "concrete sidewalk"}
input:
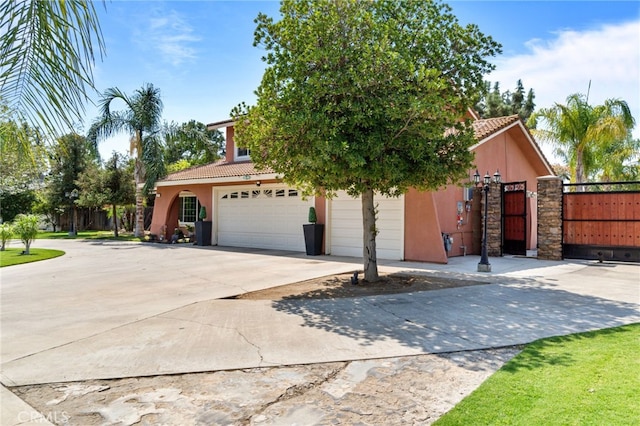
[(132, 310)]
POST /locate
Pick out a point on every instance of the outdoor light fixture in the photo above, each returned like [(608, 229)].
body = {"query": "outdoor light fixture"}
[(157, 195), (484, 265), (258, 183)]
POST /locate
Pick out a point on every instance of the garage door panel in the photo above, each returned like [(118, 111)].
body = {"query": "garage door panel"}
[(346, 226), (261, 221)]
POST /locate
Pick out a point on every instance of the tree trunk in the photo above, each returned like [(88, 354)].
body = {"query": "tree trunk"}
[(139, 172), (369, 237), (580, 178), (75, 220), (115, 220)]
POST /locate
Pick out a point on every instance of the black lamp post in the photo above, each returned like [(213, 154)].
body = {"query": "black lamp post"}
[(484, 265)]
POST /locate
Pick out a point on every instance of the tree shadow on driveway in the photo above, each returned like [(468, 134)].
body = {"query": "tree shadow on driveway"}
[(459, 319)]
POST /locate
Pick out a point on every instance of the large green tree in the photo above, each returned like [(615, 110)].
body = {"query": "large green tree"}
[(191, 144), (367, 97), (108, 184), (70, 157), (495, 103), (141, 119), (579, 131), (618, 161), (47, 54), (22, 166)]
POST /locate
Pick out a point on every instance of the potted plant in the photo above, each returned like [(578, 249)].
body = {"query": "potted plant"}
[(313, 233)]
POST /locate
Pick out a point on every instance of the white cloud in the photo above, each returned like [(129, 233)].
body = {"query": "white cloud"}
[(608, 56), (171, 37)]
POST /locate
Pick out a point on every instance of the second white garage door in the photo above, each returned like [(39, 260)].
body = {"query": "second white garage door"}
[(346, 226), (270, 218)]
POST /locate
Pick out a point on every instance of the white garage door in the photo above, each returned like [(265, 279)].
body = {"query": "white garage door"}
[(346, 226), (270, 218)]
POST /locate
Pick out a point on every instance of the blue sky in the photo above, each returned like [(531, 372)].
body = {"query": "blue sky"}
[(200, 53)]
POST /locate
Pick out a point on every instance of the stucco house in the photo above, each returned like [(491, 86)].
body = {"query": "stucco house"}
[(254, 208)]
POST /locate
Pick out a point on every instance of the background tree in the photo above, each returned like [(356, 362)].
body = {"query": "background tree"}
[(499, 104), (69, 158), (366, 97), (46, 60), (109, 185), (21, 172), (6, 233), (142, 121), (49, 212), (191, 144), (618, 161), (580, 132)]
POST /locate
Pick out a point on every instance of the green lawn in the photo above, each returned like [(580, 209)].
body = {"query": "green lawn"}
[(13, 255), (84, 235), (581, 379)]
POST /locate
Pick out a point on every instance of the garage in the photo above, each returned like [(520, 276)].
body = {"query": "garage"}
[(346, 226), (269, 217)]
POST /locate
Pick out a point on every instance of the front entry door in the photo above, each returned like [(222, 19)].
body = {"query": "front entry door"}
[(514, 218)]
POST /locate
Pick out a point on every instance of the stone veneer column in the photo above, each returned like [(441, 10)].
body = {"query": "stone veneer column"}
[(494, 221), (550, 218), (494, 218)]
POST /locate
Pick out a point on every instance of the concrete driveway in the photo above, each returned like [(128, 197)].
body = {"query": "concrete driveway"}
[(113, 310), (100, 286)]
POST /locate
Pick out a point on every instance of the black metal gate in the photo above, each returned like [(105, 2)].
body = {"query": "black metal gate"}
[(514, 218), (601, 221)]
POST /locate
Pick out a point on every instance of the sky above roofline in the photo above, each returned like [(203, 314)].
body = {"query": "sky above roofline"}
[(200, 53)]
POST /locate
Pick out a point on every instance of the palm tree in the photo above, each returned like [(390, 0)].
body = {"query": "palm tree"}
[(46, 60), (142, 120), (580, 131)]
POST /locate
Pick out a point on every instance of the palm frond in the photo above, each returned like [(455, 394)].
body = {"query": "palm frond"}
[(47, 55)]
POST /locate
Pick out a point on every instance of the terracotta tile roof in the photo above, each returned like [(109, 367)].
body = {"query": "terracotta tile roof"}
[(219, 169), (488, 126)]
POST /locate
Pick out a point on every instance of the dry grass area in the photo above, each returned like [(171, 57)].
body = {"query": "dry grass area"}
[(339, 286)]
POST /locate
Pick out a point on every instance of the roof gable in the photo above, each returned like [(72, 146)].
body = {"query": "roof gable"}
[(486, 129)]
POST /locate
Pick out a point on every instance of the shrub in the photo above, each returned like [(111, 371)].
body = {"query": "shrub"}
[(6, 232), (312, 215), (26, 227)]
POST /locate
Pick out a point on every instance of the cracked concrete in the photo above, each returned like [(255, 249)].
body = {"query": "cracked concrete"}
[(410, 390)]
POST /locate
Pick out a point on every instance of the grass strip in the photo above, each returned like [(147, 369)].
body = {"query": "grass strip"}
[(13, 256), (581, 379)]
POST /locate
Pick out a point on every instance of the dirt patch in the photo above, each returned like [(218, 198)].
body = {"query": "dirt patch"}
[(339, 286)]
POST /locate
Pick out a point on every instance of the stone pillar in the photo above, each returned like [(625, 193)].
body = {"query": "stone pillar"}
[(494, 218), (494, 221), (550, 218)]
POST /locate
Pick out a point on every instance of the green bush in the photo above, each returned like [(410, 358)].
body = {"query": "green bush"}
[(312, 215), (26, 227), (6, 232)]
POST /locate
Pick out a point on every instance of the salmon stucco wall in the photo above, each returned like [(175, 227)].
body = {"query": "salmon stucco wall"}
[(513, 156), (165, 211), (321, 214), (422, 237), (230, 145), (459, 227)]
